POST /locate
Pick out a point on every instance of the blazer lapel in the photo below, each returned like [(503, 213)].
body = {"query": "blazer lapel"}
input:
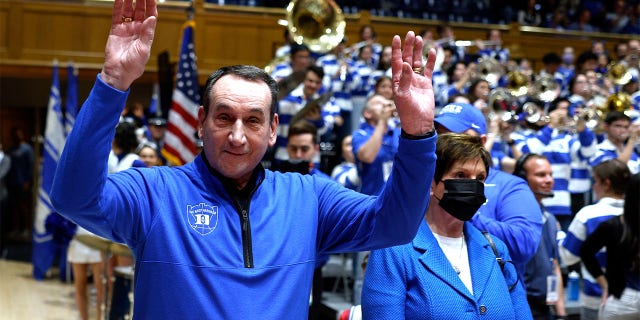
[(433, 259), (482, 260)]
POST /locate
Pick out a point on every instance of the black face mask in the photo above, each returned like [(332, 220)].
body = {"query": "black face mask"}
[(462, 197)]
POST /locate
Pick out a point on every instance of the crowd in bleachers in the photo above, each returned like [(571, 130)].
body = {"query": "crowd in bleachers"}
[(619, 16), (579, 110)]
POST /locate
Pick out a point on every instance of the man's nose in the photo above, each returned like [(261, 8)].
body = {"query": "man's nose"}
[(237, 134)]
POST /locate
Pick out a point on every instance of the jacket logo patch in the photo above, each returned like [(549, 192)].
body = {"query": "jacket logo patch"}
[(202, 217)]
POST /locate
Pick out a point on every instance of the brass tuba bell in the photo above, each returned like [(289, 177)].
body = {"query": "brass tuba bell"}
[(318, 24), (489, 70), (620, 101), (518, 83), (618, 74), (546, 88)]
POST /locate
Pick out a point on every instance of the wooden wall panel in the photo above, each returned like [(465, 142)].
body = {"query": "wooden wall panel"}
[(33, 33), (4, 28), (64, 31)]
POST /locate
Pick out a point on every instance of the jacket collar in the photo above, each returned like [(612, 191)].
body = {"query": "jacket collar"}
[(482, 260)]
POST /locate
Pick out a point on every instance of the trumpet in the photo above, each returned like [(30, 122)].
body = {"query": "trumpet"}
[(470, 43), (588, 116)]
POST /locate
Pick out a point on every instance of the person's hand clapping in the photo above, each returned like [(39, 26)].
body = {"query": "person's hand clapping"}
[(129, 44), (412, 85)]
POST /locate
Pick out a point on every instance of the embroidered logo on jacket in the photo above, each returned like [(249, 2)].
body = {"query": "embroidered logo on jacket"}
[(202, 217)]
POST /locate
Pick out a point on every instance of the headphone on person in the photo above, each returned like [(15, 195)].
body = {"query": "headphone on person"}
[(519, 170)]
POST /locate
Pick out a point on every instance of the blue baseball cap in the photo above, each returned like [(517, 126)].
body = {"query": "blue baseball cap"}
[(459, 117)]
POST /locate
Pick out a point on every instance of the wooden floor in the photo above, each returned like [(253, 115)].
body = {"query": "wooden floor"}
[(22, 297)]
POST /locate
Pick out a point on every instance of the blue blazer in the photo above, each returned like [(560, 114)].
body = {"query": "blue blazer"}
[(416, 281)]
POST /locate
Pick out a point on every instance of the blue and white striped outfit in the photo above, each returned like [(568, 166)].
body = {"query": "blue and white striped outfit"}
[(500, 54), (289, 106), (332, 80), (566, 76), (281, 71), (607, 150), (361, 90), (563, 150), (585, 223), (346, 174)]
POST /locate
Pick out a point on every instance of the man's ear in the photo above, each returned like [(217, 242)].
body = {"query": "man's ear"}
[(201, 118), (273, 126)]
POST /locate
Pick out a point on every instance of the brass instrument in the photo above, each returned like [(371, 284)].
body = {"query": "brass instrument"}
[(319, 24), (618, 74), (469, 43), (546, 88), (489, 70), (621, 102), (590, 117), (428, 44), (275, 61), (517, 83), (532, 113), (502, 105)]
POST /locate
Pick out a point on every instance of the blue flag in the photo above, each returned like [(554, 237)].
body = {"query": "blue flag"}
[(71, 105), (154, 109), (46, 230)]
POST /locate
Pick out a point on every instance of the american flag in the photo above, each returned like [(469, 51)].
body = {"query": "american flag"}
[(180, 140)]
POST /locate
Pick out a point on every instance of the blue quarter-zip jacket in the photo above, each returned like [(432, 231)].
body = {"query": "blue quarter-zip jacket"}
[(200, 254)]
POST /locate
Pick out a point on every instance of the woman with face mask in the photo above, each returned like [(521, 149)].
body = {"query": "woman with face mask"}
[(451, 270)]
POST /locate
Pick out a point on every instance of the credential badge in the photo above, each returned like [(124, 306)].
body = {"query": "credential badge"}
[(202, 217)]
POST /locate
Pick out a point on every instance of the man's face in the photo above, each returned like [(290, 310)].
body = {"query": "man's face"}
[(347, 149), (300, 60), (618, 131), (621, 51), (539, 176), (237, 130), (312, 84), (302, 147), (375, 108), (157, 132), (494, 35)]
